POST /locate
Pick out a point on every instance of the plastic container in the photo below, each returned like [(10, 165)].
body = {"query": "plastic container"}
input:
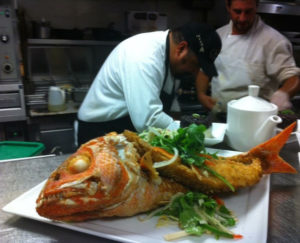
[(17, 149)]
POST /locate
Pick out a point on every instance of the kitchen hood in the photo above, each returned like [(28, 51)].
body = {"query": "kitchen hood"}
[(288, 7)]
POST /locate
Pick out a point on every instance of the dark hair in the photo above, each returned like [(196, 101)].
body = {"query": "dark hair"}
[(230, 1), (177, 35)]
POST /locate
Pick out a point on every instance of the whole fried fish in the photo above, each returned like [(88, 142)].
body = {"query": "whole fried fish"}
[(114, 175), (240, 171), (103, 179)]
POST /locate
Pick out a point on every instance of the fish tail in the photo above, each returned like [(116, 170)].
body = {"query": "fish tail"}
[(268, 152)]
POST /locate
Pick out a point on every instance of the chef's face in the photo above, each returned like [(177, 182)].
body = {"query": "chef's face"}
[(186, 67), (242, 14)]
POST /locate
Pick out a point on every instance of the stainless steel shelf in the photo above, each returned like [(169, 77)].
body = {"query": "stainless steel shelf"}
[(70, 42)]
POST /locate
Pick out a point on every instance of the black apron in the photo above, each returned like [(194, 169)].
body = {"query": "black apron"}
[(89, 130), (167, 99)]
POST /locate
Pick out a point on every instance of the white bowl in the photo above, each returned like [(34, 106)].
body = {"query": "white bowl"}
[(215, 134)]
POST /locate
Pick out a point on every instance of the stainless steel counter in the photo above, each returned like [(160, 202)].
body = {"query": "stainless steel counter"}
[(21, 175), (71, 108)]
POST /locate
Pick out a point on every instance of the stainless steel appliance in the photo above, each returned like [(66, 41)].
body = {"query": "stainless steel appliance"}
[(12, 105), (285, 17), (145, 21), (284, 7), (70, 65)]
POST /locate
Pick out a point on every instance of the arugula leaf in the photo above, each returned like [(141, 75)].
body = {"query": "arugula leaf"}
[(198, 213), (287, 112), (190, 143)]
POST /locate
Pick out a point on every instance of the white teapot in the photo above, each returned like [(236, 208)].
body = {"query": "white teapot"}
[(250, 120)]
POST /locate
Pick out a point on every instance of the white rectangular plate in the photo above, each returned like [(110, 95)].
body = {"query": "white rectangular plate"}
[(249, 205), (295, 136)]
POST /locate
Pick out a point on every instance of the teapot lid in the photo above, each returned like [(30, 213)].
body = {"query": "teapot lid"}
[(252, 102)]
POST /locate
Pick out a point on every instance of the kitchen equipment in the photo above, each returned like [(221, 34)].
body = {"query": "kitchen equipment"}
[(79, 94), (250, 120), (52, 62), (286, 7), (20, 149), (56, 99), (283, 16), (145, 21), (37, 101), (41, 29), (12, 103)]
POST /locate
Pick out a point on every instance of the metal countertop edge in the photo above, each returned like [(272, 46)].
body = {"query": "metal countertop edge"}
[(26, 158)]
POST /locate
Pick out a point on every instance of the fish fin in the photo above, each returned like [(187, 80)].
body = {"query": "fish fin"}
[(268, 152)]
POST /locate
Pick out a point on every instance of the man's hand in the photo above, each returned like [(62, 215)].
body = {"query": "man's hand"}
[(206, 101), (281, 99)]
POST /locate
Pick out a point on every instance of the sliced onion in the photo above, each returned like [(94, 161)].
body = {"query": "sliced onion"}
[(154, 131), (150, 215), (167, 162)]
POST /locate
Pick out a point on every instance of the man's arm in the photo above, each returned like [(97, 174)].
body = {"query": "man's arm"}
[(291, 86), (202, 83), (282, 96)]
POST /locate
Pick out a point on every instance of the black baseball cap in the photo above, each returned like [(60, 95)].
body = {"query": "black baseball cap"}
[(205, 42)]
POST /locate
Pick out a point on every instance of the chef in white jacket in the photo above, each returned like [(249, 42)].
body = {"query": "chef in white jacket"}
[(135, 87), (252, 53)]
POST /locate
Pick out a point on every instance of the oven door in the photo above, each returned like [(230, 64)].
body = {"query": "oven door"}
[(12, 105)]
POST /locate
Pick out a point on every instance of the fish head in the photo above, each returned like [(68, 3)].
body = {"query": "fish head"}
[(97, 176)]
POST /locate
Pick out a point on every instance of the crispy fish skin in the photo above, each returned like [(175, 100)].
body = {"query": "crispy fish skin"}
[(237, 173), (103, 179), (240, 171)]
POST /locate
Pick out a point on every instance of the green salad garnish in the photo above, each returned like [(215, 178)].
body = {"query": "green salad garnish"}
[(196, 214), (189, 141), (287, 112)]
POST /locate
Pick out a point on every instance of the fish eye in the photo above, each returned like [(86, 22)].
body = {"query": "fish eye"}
[(79, 163)]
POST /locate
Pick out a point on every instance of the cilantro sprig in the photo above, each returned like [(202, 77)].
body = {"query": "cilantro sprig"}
[(189, 141)]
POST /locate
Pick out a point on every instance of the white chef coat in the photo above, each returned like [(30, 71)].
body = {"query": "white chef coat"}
[(130, 83), (262, 57)]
